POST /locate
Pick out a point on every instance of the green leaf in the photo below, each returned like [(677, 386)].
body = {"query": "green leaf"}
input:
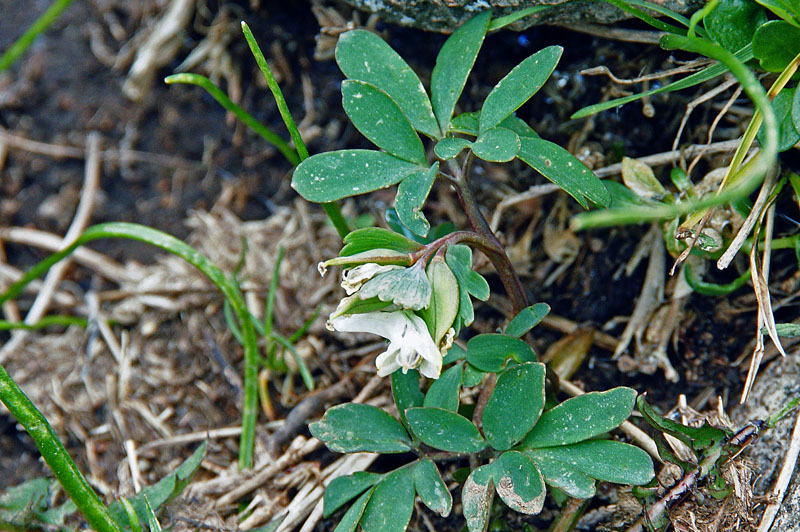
[(639, 177), (353, 514), (454, 354), (519, 483), (27, 506), (497, 145), (376, 115), (788, 330), (775, 44), (444, 391), (515, 405), (453, 65), (162, 491), (335, 175), (786, 9), (391, 504), (698, 438), (445, 430), (443, 308), (449, 147), (732, 23), (788, 134), (152, 520), (352, 427), (431, 488), (376, 237), (518, 86), (459, 258), (607, 460), (472, 376), (581, 418), (406, 392), (364, 56), (465, 123), (489, 352), (519, 126), (796, 109), (527, 319), (565, 170), (411, 196), (717, 69), (561, 476), (345, 488), (476, 498)]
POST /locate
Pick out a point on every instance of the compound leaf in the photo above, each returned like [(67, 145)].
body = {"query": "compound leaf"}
[(449, 147)]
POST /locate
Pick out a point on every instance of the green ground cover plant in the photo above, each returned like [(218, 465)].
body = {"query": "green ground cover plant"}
[(414, 284)]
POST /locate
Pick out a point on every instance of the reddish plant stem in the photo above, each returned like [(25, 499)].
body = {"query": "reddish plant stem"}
[(497, 255)]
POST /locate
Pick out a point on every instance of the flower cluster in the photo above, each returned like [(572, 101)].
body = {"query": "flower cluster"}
[(413, 307)]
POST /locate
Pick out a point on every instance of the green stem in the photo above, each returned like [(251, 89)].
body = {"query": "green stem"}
[(55, 455), (241, 114), (41, 24), (331, 209), (229, 289), (746, 179)]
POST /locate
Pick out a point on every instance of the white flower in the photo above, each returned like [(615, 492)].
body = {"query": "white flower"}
[(410, 343), (353, 278)]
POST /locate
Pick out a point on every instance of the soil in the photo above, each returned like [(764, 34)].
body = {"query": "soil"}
[(194, 160)]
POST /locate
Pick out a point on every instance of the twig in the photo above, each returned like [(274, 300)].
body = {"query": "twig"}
[(683, 69), (59, 151), (691, 106), (659, 159), (618, 34), (82, 215), (158, 49), (784, 477), (305, 409)]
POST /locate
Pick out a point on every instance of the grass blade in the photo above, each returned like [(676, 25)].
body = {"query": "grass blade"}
[(40, 24), (229, 289), (241, 114), (301, 364), (331, 209)]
